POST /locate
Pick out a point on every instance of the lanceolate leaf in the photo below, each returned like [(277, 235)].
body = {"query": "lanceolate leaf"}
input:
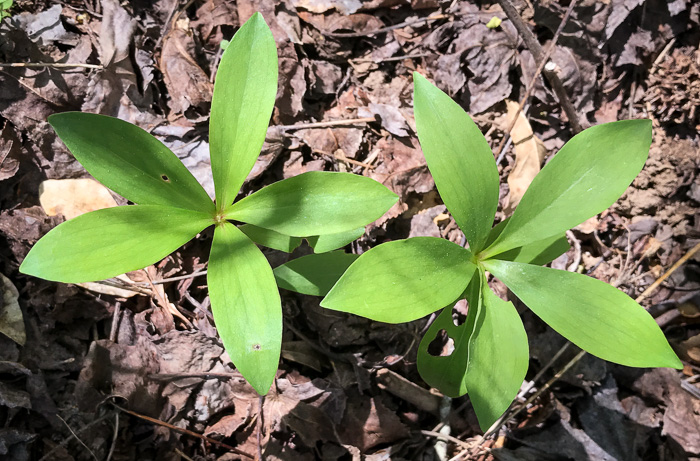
[(130, 161), (315, 203), (587, 176), (271, 239), (448, 372), (109, 242), (538, 253), (246, 305), (329, 242), (591, 314), (244, 95), (403, 280), (459, 158), (313, 274), (498, 357)]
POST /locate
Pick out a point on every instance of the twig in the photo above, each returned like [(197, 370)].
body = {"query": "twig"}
[(183, 431), (531, 83), (202, 375), (303, 126), (382, 30), (65, 441), (259, 424), (393, 58), (447, 438), (57, 65), (114, 438), (668, 273), (539, 55), (76, 437)]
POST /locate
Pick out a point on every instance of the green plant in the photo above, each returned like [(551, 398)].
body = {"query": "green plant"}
[(5, 6), (172, 207), (405, 280)]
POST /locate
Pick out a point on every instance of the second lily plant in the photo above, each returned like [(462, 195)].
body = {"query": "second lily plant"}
[(405, 280)]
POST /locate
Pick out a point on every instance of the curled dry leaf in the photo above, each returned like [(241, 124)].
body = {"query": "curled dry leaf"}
[(529, 154)]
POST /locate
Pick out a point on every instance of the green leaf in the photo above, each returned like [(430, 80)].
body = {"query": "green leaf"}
[(538, 253), (244, 95), (591, 314), (315, 203), (329, 242), (460, 160), (246, 305), (313, 274), (271, 239), (498, 357), (109, 242), (403, 280), (448, 373), (587, 176), (130, 161)]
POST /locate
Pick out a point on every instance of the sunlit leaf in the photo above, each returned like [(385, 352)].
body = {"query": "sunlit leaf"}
[(109, 242), (315, 203), (588, 175), (246, 305), (403, 280), (539, 253), (329, 242), (271, 239), (498, 357), (591, 314), (313, 274), (459, 158), (244, 95), (130, 161)]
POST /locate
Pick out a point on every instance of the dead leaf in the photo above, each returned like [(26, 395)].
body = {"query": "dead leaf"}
[(529, 155), (211, 16), (691, 347), (321, 6), (391, 117), (11, 320), (73, 197), (187, 83), (368, 423)]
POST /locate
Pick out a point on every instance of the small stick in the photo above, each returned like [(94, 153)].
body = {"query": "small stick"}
[(446, 438), (202, 375), (68, 439), (382, 30), (57, 65), (668, 273), (393, 58), (76, 437), (259, 424), (538, 53), (303, 126), (531, 83), (114, 438), (183, 431)]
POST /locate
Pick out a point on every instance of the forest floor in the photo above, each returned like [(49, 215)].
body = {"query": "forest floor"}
[(109, 373)]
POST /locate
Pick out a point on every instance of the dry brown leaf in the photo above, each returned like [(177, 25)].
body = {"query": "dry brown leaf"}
[(11, 320), (187, 83), (529, 154), (73, 197)]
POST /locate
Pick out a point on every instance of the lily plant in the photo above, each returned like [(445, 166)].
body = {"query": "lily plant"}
[(404, 280), (171, 207)]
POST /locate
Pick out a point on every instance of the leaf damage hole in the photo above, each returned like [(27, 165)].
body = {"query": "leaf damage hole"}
[(256, 347), (442, 345), (459, 312), (165, 178)]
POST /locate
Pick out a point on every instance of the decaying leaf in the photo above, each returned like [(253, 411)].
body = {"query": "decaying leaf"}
[(73, 197), (11, 320), (529, 154)]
